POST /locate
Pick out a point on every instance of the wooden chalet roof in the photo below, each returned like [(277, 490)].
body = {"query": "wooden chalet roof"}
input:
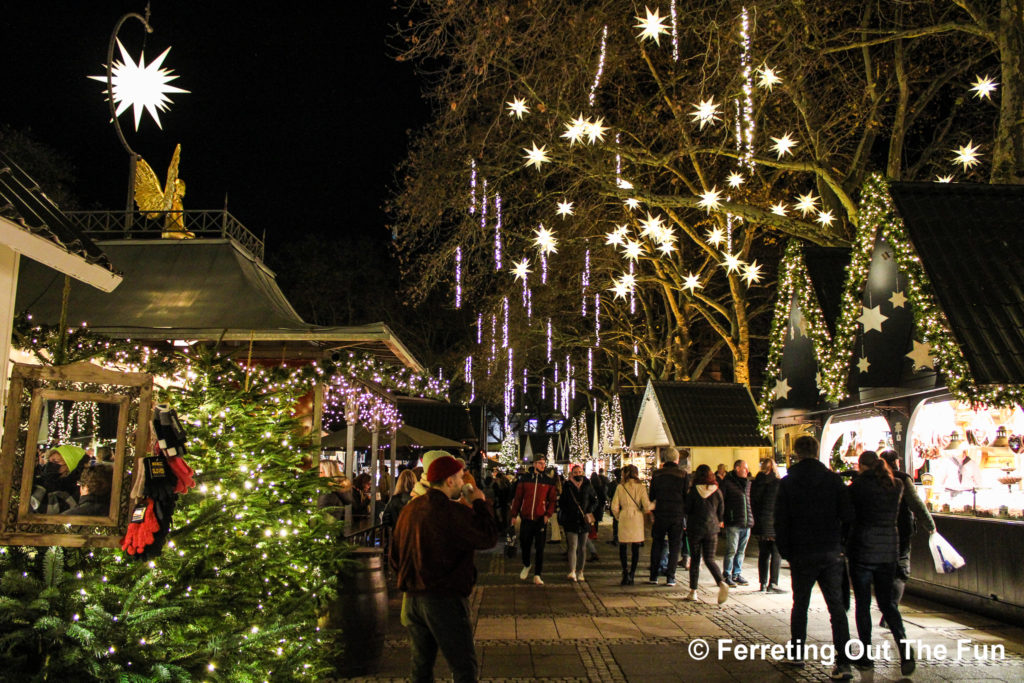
[(703, 414)]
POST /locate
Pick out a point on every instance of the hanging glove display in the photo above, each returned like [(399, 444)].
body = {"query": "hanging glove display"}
[(170, 437), (141, 530), (183, 473)]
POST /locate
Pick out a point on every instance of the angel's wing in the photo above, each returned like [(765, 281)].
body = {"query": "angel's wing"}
[(148, 195), (171, 185)]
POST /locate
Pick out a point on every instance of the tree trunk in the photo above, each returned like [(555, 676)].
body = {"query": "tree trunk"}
[(1008, 147)]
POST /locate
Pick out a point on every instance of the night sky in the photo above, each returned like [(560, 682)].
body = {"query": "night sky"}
[(295, 112)]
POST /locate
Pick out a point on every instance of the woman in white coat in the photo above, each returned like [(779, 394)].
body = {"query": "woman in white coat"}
[(629, 506)]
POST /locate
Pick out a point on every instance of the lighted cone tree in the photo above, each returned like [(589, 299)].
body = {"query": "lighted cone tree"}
[(235, 593), (650, 162)]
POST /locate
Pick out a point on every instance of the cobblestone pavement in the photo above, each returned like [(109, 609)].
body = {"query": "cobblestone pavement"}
[(598, 630)]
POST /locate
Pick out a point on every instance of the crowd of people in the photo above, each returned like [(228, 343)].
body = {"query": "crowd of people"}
[(833, 534)]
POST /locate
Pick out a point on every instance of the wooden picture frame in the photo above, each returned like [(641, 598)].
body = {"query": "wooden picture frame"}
[(31, 388)]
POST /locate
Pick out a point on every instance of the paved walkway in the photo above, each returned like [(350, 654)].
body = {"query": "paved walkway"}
[(601, 631)]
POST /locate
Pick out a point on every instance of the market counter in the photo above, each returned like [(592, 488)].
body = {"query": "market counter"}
[(992, 581)]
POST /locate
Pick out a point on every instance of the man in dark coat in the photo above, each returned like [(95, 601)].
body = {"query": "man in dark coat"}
[(432, 554), (668, 495), (739, 518), (812, 512)]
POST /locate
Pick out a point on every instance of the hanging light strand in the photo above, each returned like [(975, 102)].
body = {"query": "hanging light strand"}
[(497, 232), (600, 67)]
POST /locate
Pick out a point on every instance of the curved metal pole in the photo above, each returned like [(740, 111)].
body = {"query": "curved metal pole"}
[(132, 156)]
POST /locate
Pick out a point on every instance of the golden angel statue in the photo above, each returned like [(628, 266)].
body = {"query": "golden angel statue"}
[(154, 201)]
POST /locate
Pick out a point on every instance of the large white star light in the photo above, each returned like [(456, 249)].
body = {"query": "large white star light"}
[(633, 249), (706, 112), (692, 282), (767, 78), (967, 155), (521, 269), (783, 145), (140, 86), (631, 204), (617, 236), (751, 273), (779, 209), (983, 87), (564, 209), (575, 129), (545, 240), (715, 236), (517, 107), (666, 248), (710, 199), (535, 157), (652, 226), (595, 130), (652, 26), (736, 179), (732, 263), (922, 356), (807, 203), (825, 218)]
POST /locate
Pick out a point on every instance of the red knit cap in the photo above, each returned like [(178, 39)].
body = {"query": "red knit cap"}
[(442, 468)]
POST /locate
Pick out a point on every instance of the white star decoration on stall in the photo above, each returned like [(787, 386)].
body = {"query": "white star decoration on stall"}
[(872, 318), (983, 87), (751, 273), (140, 86), (966, 155), (564, 209), (710, 199), (922, 356), (545, 240), (652, 26), (691, 282), (521, 269), (783, 145), (782, 388), (806, 203), (535, 157), (863, 364), (897, 299), (705, 112), (767, 78), (517, 107)]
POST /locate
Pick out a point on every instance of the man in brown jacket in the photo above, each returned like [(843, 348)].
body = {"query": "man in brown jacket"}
[(432, 553)]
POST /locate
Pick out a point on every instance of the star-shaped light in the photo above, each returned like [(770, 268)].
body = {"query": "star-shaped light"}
[(616, 236), (517, 107), (632, 204), (825, 218), (632, 250), (767, 78), (545, 240), (716, 236), (779, 209), (943, 178), (652, 26), (922, 356), (619, 289), (535, 157), (652, 225), (897, 300), (806, 203), (521, 269), (595, 130), (705, 112), (872, 318), (863, 364), (983, 87), (783, 145), (782, 388), (732, 263), (692, 282), (710, 199), (564, 209), (575, 129), (623, 184), (967, 155), (666, 248), (140, 86), (735, 179), (751, 273)]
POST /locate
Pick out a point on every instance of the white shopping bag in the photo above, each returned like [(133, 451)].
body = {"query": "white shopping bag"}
[(947, 559)]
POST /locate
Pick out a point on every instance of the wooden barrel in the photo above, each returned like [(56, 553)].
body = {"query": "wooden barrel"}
[(361, 612)]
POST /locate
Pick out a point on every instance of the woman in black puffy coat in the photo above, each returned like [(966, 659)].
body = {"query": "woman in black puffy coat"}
[(873, 549), (763, 493)]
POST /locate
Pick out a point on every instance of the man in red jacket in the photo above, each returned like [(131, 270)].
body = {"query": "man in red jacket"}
[(536, 495), (432, 554)]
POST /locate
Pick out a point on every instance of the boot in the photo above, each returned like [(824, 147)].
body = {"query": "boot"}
[(625, 578)]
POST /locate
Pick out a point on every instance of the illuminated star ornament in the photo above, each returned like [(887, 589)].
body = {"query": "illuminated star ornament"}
[(624, 285), (595, 130), (943, 178), (966, 155), (617, 236), (782, 388), (706, 112), (564, 209), (535, 157), (140, 86), (983, 87), (575, 129), (545, 240), (521, 269), (922, 356), (751, 273), (692, 282), (652, 226), (633, 250), (735, 179), (632, 204), (779, 209), (716, 236), (767, 78), (517, 107), (783, 145), (806, 203), (732, 263), (872, 318), (710, 199), (825, 218), (652, 26)]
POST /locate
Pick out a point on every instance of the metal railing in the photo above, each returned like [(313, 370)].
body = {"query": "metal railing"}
[(107, 225), (375, 536)]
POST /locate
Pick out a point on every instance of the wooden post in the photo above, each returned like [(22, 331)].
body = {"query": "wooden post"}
[(374, 443), (9, 262), (394, 455), (350, 449)]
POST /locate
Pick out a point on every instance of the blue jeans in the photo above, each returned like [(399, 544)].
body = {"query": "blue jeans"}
[(441, 621), (735, 548)]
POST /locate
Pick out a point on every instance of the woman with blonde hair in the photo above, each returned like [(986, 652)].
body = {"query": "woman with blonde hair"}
[(763, 493), (629, 506), (399, 497)]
